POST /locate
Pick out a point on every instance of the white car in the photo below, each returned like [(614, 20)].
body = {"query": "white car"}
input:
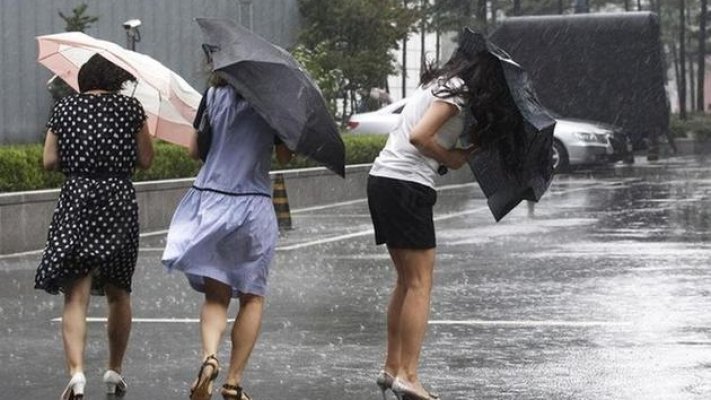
[(576, 142)]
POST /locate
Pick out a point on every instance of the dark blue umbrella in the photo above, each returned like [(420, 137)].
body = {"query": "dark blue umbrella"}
[(278, 88), (503, 190)]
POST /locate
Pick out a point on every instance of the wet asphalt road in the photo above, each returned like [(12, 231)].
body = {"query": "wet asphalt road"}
[(604, 292)]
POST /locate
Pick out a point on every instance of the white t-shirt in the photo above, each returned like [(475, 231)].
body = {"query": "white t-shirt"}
[(399, 159)]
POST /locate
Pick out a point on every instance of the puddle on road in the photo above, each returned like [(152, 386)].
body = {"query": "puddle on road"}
[(490, 233), (626, 249)]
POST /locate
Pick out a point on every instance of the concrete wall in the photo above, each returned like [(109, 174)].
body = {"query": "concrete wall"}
[(168, 34), (25, 216)]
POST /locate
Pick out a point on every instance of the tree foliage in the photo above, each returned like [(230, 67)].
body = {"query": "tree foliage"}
[(330, 81), (452, 15), (355, 37), (78, 21)]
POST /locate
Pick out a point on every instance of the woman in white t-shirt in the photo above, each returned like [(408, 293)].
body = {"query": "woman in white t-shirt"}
[(401, 191)]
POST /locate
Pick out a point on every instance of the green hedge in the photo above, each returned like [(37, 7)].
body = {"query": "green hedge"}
[(21, 166), (696, 125)]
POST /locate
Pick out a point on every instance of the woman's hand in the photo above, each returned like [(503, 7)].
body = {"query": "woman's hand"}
[(458, 157)]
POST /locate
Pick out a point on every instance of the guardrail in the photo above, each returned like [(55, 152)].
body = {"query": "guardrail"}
[(25, 216)]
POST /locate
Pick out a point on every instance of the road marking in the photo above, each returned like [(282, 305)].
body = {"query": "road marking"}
[(154, 233), (474, 322), (369, 231), (161, 249), (532, 323), (356, 201), (23, 254), (148, 320), (326, 206), (438, 218)]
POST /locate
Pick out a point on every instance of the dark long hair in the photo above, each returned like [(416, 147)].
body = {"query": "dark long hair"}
[(487, 99), (98, 73)]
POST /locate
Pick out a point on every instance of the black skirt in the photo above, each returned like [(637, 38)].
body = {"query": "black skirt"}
[(402, 213)]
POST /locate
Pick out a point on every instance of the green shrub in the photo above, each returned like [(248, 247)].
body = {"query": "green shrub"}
[(696, 125), (21, 166), (170, 162), (360, 149), (21, 169)]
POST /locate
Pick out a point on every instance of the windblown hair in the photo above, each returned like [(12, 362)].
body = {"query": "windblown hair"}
[(216, 80), (101, 74), (489, 101)]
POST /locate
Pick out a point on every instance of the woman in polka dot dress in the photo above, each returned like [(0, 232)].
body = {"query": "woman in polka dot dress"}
[(96, 138)]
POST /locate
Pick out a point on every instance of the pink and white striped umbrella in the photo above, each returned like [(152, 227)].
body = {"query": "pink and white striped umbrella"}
[(170, 102)]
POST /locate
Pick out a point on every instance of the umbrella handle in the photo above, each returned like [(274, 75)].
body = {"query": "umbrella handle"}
[(135, 85)]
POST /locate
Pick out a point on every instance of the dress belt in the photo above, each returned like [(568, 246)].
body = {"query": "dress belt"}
[(99, 175), (204, 189)]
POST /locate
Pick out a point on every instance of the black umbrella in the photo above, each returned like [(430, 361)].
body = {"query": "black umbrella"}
[(278, 88), (503, 190)]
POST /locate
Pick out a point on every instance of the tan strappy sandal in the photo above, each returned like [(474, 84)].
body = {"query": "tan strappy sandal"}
[(234, 392), (202, 389)]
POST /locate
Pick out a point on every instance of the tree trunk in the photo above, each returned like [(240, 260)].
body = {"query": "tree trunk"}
[(560, 7), (627, 5), (639, 5), (404, 61), (494, 10), (692, 81), (675, 62), (516, 7), (481, 14), (344, 113), (691, 101), (437, 45), (681, 84), (701, 62), (423, 29)]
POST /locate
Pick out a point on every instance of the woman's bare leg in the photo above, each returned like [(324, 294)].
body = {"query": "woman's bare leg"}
[(76, 302), (244, 335), (118, 327), (213, 316), (417, 268), (397, 297)]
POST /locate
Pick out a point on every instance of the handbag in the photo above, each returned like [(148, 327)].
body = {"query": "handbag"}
[(204, 134)]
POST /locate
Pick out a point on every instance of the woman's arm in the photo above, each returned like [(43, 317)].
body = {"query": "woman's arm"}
[(145, 148), (50, 157), (193, 147), (283, 154), (424, 136)]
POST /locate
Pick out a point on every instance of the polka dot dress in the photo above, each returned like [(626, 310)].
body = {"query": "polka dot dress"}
[(94, 228)]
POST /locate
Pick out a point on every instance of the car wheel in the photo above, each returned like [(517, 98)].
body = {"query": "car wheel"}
[(560, 157)]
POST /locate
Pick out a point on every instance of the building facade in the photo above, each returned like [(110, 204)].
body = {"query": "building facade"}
[(168, 34)]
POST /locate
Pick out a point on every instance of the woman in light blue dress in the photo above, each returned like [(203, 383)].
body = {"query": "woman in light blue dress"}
[(224, 231)]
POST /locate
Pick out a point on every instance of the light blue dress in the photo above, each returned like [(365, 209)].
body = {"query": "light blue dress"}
[(225, 227)]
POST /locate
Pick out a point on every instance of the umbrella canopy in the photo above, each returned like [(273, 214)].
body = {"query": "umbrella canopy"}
[(169, 101), (278, 88), (502, 190)]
